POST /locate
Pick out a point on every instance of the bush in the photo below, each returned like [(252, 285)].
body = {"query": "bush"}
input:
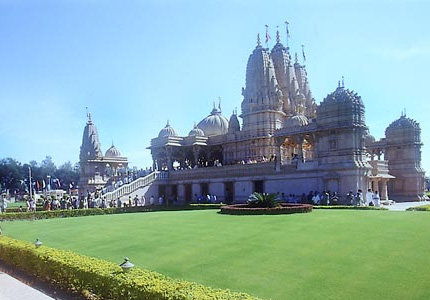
[(425, 207), (263, 200), (105, 279)]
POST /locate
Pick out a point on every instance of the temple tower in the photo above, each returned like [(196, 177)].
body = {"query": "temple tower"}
[(403, 152), (262, 105)]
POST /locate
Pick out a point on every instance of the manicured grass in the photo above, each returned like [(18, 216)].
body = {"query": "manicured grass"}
[(326, 254)]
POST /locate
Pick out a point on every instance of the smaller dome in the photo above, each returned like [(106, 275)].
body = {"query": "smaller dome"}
[(233, 124), (214, 124), (297, 120), (403, 122), (196, 131), (342, 95), (167, 131), (112, 152)]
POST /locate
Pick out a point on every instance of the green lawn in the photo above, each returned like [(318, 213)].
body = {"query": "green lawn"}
[(327, 254)]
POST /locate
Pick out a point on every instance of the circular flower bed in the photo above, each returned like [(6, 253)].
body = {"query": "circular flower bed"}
[(285, 208)]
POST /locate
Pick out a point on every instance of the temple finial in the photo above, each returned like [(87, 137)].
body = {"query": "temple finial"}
[(168, 124), (258, 40), (288, 33), (343, 81), (267, 36), (296, 57), (219, 104), (278, 36), (338, 83), (303, 53), (88, 115)]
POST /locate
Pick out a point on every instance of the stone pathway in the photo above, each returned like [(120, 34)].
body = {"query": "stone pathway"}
[(13, 289), (402, 206)]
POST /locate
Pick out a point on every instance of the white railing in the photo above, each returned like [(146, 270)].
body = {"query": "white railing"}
[(131, 187)]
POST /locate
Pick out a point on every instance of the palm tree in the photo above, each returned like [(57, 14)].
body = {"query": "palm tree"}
[(263, 200)]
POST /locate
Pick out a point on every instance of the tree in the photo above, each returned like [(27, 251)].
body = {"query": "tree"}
[(47, 167), (10, 174), (67, 174)]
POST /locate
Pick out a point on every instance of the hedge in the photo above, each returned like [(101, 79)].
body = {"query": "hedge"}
[(104, 279), (285, 208), (349, 207), (425, 207), (50, 214)]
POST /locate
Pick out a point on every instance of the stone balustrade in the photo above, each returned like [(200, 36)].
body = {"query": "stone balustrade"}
[(131, 187)]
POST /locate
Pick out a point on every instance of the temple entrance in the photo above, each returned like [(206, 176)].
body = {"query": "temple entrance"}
[(162, 191), (204, 188), (229, 192), (259, 186), (174, 194), (188, 193)]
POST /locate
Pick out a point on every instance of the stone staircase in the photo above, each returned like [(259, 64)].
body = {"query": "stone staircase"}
[(137, 184)]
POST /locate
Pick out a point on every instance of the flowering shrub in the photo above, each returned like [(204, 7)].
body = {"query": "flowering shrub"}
[(105, 279)]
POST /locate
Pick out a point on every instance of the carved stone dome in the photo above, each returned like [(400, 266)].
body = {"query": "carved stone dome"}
[(297, 120), (342, 107), (403, 122), (112, 152), (167, 131), (196, 132), (343, 95), (404, 129), (214, 124)]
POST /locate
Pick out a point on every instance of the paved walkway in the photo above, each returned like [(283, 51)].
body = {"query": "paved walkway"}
[(401, 206), (13, 289)]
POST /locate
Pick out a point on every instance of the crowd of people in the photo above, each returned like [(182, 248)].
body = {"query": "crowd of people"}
[(332, 198)]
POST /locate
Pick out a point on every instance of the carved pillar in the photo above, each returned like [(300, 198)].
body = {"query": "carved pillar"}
[(384, 191), (196, 150), (169, 158), (300, 143), (278, 157), (379, 153)]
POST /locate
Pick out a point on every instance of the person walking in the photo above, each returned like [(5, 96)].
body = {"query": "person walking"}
[(358, 200), (376, 199), (369, 197), (151, 200)]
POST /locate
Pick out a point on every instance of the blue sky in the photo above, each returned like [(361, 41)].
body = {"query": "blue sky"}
[(136, 64)]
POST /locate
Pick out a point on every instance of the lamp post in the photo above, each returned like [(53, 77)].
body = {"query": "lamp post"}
[(38, 243), (126, 265), (49, 182), (29, 182)]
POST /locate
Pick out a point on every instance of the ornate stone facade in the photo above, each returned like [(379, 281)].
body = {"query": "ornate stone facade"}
[(289, 144), (96, 169)]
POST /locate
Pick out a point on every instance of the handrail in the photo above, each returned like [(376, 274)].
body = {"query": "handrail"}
[(135, 185)]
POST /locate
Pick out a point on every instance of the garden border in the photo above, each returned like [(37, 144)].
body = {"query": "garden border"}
[(285, 208)]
